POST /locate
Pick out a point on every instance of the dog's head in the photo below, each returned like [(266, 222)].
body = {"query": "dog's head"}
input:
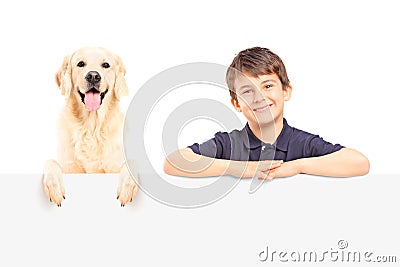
[(92, 75)]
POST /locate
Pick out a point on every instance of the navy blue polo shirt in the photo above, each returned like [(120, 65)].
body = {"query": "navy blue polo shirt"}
[(243, 145)]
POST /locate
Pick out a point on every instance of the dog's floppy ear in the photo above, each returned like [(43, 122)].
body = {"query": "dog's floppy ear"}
[(63, 77), (120, 87)]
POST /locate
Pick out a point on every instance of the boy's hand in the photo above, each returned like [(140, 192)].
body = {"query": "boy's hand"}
[(250, 169), (286, 169)]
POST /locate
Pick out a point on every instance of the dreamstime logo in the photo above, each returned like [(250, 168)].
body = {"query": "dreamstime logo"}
[(342, 244), (339, 254), (141, 106)]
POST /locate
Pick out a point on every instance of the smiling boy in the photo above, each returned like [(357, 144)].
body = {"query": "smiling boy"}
[(267, 147)]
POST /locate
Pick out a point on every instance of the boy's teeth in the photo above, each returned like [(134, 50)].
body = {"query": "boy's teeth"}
[(261, 109)]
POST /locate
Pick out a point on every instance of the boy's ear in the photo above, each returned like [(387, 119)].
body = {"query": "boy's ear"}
[(287, 92), (236, 105)]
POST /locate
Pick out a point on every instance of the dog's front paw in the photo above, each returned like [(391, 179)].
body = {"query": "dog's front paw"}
[(127, 187), (53, 183)]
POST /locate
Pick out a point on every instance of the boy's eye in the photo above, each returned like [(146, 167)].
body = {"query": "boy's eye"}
[(246, 91), (268, 86)]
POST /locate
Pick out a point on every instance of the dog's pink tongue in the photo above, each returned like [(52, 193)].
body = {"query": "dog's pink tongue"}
[(92, 101)]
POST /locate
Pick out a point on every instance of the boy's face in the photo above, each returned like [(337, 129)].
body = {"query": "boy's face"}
[(261, 98)]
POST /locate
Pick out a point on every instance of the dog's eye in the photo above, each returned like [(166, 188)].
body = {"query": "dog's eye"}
[(81, 64), (105, 65)]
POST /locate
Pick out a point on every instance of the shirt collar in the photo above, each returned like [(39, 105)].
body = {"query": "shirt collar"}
[(281, 143)]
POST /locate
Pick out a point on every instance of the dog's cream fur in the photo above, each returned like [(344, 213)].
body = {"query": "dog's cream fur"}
[(90, 141)]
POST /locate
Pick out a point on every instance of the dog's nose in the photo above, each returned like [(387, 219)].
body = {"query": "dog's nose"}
[(93, 77)]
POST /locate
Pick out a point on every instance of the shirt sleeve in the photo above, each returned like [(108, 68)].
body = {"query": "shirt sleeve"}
[(214, 147), (317, 146)]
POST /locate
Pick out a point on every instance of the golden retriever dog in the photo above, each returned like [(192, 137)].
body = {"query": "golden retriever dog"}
[(92, 80)]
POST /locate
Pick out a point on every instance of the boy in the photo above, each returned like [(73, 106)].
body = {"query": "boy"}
[(267, 147)]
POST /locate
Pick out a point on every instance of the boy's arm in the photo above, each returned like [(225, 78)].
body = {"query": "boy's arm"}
[(185, 162), (343, 163)]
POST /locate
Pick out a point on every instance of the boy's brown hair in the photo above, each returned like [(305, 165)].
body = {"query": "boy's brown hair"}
[(254, 62)]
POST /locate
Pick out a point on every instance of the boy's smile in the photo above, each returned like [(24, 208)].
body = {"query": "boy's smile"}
[(263, 108), (261, 99)]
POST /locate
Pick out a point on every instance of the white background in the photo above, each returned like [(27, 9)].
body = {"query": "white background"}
[(342, 59)]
